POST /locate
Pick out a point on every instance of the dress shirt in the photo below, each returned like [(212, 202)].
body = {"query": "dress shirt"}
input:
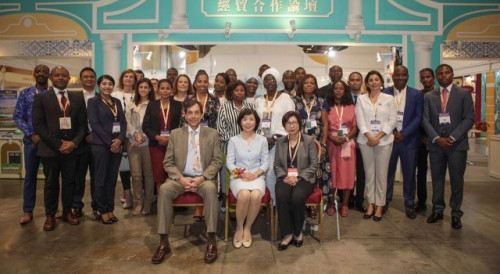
[(87, 95), (400, 96), (188, 169), (22, 112), (59, 96), (386, 114)]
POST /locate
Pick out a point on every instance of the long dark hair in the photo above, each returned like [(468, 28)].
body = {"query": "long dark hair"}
[(345, 100), (151, 94)]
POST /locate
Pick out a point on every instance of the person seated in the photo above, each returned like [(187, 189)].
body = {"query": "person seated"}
[(191, 166)]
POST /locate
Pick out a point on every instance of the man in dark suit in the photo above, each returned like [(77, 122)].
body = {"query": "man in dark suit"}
[(448, 116), (192, 161), (335, 73), (406, 137), (60, 119)]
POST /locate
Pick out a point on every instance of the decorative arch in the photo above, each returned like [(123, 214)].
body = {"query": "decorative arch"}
[(479, 29)]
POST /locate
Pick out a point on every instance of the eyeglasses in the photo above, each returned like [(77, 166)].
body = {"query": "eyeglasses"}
[(293, 123), (270, 81)]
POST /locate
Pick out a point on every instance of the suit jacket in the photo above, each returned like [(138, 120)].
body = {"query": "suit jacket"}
[(177, 151), (326, 92), (412, 119), (46, 113), (461, 110), (151, 121), (307, 158), (101, 121)]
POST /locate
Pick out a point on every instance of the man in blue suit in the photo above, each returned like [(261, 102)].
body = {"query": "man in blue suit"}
[(448, 116), (406, 137)]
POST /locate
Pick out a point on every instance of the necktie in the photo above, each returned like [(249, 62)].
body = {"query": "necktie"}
[(355, 98), (196, 158), (444, 100), (64, 101)]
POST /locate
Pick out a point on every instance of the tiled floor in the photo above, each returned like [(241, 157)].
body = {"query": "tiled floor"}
[(394, 245)]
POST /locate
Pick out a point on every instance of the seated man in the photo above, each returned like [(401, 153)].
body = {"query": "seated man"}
[(192, 161)]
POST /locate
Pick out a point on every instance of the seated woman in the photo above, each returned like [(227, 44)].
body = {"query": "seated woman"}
[(247, 158), (295, 164)]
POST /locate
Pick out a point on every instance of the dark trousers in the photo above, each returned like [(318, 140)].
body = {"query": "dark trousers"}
[(106, 166), (455, 161), (360, 178), (291, 203), (422, 174), (31, 164), (53, 167), (84, 163), (408, 158), (125, 178)]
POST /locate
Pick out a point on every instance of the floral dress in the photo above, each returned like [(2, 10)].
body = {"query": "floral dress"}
[(310, 112), (211, 109)]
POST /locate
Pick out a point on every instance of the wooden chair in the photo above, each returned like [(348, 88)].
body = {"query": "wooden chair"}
[(316, 200), (266, 201)]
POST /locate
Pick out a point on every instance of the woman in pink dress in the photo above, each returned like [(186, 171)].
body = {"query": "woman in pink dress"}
[(341, 145)]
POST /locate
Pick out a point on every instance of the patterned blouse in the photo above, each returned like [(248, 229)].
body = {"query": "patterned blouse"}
[(314, 106), (227, 124), (210, 111)]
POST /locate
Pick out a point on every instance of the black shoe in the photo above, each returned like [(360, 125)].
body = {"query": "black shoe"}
[(435, 216), (385, 208), (368, 216), (78, 212), (298, 243), (420, 207), (411, 213), (282, 247), (456, 223), (377, 218)]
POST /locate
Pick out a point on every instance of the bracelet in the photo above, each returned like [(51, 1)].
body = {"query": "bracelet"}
[(346, 138), (323, 145)]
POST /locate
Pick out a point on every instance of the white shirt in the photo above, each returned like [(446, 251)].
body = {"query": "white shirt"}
[(386, 111), (125, 98), (400, 96), (282, 105), (87, 95)]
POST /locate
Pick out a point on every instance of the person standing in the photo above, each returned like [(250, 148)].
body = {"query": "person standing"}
[(427, 80), (84, 162), (23, 118), (172, 74), (60, 118), (355, 82), (289, 83), (406, 138), (335, 73), (448, 116)]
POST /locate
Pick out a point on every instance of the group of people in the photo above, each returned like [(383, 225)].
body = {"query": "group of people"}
[(172, 136)]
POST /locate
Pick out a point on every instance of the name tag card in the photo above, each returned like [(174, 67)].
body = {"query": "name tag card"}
[(65, 123), (399, 120), (375, 127), (344, 129), (116, 127), (294, 172), (165, 133), (444, 118)]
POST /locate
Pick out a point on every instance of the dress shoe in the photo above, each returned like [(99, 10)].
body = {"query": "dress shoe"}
[(377, 218), (211, 253), (160, 254), (368, 216), (237, 244), (137, 209), (456, 223), (26, 218), (112, 217), (411, 213), (106, 220), (78, 212), (248, 243), (344, 211), (70, 218), (50, 224), (385, 208), (435, 216), (283, 246), (420, 207), (298, 243)]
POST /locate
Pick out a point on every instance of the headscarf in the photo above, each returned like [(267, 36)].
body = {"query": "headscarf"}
[(254, 76), (274, 72)]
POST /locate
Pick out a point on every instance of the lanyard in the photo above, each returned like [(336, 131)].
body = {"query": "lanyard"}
[(374, 105), (112, 107), (165, 115), (203, 103), (125, 101), (340, 115), (292, 157), (272, 102), (308, 109)]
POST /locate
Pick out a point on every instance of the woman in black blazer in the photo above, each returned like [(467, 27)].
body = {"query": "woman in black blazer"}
[(295, 165), (109, 126), (162, 116)]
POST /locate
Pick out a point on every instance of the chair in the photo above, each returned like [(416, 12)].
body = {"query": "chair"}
[(266, 201), (316, 200)]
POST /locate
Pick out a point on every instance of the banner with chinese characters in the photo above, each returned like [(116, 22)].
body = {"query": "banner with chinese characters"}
[(267, 8)]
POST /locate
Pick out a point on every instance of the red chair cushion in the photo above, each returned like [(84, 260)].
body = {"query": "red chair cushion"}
[(189, 198), (265, 199), (315, 196)]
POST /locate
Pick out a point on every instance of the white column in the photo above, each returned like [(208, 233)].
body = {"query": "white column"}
[(422, 52), (111, 46), (179, 15), (355, 15)]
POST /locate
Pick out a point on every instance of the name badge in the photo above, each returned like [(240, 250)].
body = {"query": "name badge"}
[(165, 133), (294, 172), (399, 120), (266, 123), (65, 123), (444, 118), (344, 128), (116, 127), (375, 127)]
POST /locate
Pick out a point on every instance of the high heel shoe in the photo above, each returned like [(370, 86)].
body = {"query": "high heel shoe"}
[(106, 222), (282, 246), (368, 216), (113, 218), (298, 243), (375, 217)]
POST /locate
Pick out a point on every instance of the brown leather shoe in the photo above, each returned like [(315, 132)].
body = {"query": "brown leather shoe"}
[(211, 253), (26, 218), (70, 218), (160, 254), (50, 224)]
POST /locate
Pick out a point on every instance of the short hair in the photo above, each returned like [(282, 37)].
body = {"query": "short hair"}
[(300, 87), (174, 85), (289, 115), (286, 72), (107, 77), (190, 103), (355, 72), (200, 72), (370, 73), (299, 68), (225, 76), (153, 79), (87, 69), (174, 69), (139, 71), (346, 99), (165, 81), (120, 81), (443, 65), (151, 94), (232, 86), (428, 70), (246, 112)]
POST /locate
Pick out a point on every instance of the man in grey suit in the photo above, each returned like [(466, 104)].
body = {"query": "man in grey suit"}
[(192, 161), (448, 116)]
